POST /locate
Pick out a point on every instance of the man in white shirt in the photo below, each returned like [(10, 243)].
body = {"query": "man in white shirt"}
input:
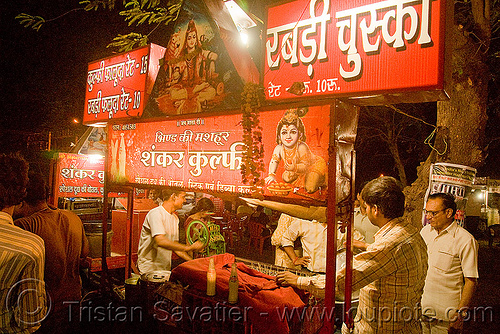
[(160, 235), (312, 236), (452, 274)]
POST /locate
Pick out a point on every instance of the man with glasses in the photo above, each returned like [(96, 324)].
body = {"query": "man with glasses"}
[(452, 274)]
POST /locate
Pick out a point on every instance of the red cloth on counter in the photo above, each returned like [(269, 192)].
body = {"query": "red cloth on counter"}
[(257, 290)]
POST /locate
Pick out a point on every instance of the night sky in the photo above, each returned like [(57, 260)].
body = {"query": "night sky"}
[(44, 72)]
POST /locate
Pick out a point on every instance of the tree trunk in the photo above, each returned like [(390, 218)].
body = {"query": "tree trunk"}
[(461, 120), (393, 148)]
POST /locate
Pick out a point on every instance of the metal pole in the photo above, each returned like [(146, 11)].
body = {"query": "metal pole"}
[(105, 209)]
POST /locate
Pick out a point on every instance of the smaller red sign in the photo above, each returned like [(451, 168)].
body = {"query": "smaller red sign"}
[(79, 176), (119, 86)]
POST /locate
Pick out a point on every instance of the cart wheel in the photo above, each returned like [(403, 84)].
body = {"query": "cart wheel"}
[(197, 230)]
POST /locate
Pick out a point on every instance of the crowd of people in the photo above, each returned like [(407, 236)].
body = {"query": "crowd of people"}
[(410, 281), (22, 256), (41, 253), (397, 268)]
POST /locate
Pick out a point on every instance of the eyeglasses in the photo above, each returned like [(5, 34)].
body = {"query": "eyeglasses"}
[(432, 214)]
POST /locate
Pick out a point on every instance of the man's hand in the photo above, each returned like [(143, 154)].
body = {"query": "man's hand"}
[(287, 278), (302, 261), (197, 246), (357, 244)]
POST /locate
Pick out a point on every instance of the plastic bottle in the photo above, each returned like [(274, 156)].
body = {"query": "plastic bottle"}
[(211, 277), (233, 285)]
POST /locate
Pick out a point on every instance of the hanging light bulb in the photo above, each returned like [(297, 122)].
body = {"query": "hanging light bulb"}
[(240, 18), (244, 37)]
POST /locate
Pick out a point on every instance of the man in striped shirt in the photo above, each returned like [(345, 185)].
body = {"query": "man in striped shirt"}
[(390, 273), (22, 256)]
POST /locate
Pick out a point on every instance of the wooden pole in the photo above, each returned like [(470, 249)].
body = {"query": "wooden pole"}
[(331, 244)]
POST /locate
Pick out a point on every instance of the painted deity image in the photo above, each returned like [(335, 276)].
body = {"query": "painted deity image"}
[(190, 82), (302, 168)]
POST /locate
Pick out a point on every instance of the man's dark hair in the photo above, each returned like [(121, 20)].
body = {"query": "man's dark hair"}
[(13, 179), (361, 188), (387, 194), (166, 193), (36, 190), (204, 204), (448, 201)]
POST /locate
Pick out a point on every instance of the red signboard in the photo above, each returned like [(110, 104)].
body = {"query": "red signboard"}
[(205, 153), (119, 86), (79, 176), (354, 48)]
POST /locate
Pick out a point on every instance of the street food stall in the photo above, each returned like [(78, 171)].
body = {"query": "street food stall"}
[(205, 154), (77, 181), (194, 116)]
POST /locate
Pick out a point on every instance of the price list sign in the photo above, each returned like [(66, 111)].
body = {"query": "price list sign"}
[(119, 86)]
